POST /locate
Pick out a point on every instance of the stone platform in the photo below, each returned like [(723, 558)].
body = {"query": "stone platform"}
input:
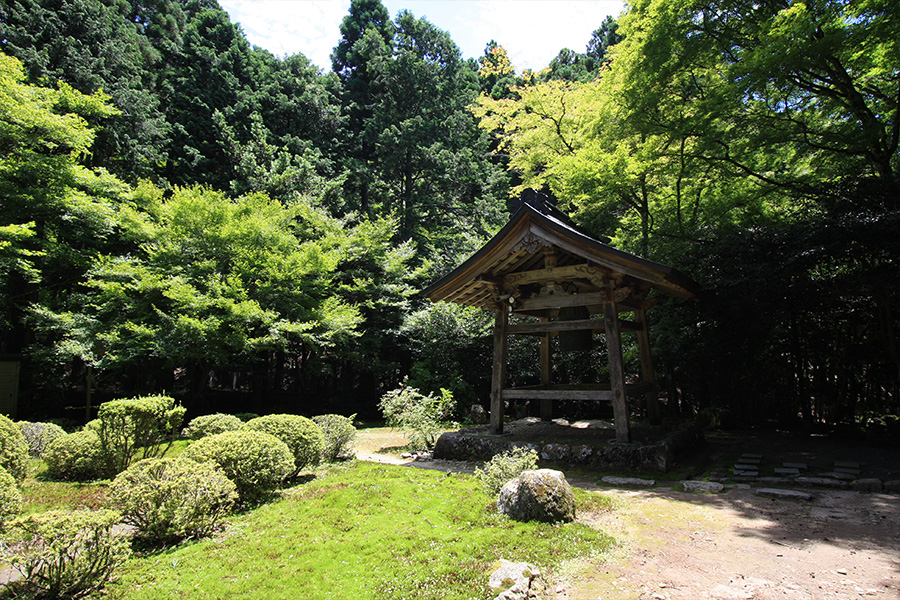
[(582, 443)]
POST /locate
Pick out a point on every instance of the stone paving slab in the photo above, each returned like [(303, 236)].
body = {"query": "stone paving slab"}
[(745, 467), (847, 470), (786, 471), (636, 481), (823, 482), (708, 487), (794, 465), (783, 494), (751, 455), (846, 464), (838, 475), (752, 460)]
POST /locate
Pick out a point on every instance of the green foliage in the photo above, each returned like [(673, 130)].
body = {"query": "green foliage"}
[(75, 457), (10, 498), (56, 214), (504, 467), (255, 461), (64, 554), (303, 436), (451, 347), (443, 531), (338, 433), (420, 417), (135, 428), (13, 449), (39, 435), (170, 499), (205, 425)]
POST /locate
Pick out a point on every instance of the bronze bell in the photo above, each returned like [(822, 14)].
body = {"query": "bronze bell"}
[(579, 340)]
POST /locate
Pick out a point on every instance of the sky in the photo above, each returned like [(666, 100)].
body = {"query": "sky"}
[(531, 31)]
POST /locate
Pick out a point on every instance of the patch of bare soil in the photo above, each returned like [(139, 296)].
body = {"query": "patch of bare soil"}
[(736, 545)]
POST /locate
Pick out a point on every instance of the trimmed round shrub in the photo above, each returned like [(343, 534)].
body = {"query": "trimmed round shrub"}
[(302, 436), (506, 466), (136, 428), (10, 497), (205, 425), (246, 416), (38, 435), (64, 554), (75, 457), (13, 449), (255, 461), (169, 499), (338, 432)]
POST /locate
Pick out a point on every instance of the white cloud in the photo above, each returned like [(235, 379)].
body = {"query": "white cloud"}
[(291, 26), (532, 31)]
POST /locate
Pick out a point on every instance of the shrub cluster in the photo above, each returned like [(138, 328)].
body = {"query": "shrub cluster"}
[(168, 499), (39, 435), (338, 432), (13, 449), (75, 457), (420, 417), (64, 554), (506, 466), (302, 436), (255, 461), (10, 497), (205, 425), (136, 427)]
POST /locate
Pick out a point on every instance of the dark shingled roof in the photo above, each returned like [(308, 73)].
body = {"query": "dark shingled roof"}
[(518, 247)]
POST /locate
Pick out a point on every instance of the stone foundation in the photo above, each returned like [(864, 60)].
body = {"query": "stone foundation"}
[(477, 444)]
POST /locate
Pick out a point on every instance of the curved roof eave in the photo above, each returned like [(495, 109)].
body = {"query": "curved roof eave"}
[(565, 235)]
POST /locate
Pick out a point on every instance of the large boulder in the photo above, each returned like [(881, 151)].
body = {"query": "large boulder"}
[(542, 495)]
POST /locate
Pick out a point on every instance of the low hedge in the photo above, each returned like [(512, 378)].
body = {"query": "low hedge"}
[(255, 461), (13, 449), (302, 436), (75, 457), (169, 499)]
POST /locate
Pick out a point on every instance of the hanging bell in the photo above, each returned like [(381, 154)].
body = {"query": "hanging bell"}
[(579, 340)]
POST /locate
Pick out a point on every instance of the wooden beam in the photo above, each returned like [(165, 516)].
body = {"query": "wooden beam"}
[(546, 403), (560, 301), (498, 372), (648, 375), (556, 326), (616, 371), (557, 394), (565, 273)]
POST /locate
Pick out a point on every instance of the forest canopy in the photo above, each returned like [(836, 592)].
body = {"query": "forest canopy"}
[(182, 211)]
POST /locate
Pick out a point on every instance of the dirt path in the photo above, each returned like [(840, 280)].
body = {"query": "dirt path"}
[(733, 546), (737, 545)]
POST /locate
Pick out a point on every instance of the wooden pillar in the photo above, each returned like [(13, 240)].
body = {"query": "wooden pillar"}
[(616, 369), (546, 403), (648, 375), (498, 374)]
